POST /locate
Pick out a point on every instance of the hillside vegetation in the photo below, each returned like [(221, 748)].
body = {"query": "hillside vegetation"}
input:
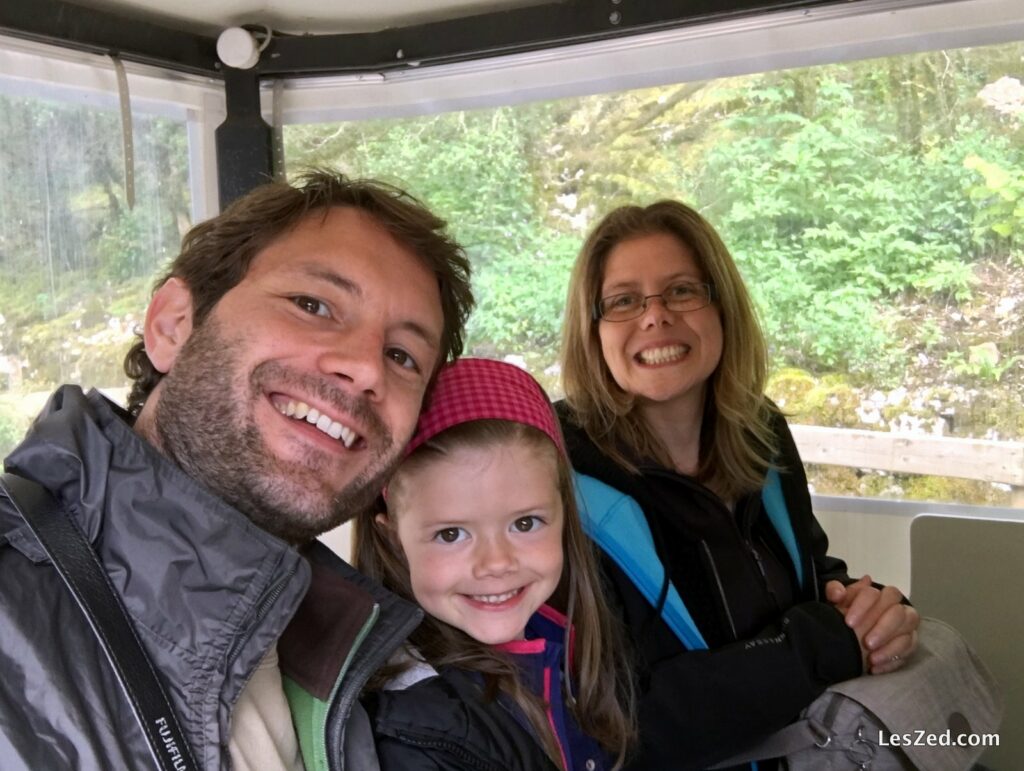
[(876, 209)]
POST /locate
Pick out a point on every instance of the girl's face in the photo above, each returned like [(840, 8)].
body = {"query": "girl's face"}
[(481, 529), (661, 356)]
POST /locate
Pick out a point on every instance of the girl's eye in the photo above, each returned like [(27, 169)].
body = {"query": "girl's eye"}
[(450, 535), (402, 359), (527, 524), (311, 305)]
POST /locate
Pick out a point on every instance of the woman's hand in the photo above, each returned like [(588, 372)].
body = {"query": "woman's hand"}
[(885, 627)]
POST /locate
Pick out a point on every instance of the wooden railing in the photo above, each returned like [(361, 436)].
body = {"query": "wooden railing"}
[(980, 459)]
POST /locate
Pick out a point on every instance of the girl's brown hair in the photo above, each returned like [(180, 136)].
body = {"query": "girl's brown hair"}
[(600, 682), (736, 443)]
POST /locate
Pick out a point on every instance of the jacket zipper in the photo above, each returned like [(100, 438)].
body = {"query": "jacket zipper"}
[(744, 523), (721, 589), (261, 611), (456, 750), (744, 527), (343, 695), (760, 563), (336, 693)]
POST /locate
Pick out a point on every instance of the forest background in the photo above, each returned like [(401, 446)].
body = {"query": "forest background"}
[(876, 209)]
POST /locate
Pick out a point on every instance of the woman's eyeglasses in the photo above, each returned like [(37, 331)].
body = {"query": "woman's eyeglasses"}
[(681, 297)]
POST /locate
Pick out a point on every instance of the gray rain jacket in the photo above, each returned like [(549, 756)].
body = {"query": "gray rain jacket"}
[(208, 593)]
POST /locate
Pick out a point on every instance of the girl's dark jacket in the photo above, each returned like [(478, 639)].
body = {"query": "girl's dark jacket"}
[(774, 645), (447, 721)]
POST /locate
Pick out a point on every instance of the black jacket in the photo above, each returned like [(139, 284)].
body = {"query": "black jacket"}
[(445, 723), (775, 645)]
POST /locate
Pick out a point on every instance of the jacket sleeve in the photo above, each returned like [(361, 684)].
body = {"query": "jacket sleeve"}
[(699, 707)]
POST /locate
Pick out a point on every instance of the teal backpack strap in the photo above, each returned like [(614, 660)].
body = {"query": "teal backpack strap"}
[(775, 506), (617, 524)]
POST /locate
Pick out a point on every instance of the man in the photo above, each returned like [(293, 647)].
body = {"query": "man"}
[(280, 372)]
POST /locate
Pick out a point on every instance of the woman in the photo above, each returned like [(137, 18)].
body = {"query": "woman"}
[(664, 367)]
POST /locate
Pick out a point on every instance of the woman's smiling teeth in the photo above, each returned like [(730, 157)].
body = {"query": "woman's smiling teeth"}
[(495, 599), (302, 411), (663, 355)]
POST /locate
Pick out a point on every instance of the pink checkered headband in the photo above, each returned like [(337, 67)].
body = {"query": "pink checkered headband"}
[(484, 389)]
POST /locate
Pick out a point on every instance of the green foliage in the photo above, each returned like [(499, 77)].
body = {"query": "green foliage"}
[(520, 297), (842, 191), (832, 217), (840, 480), (1000, 200), (476, 169), (983, 362), (473, 168), (75, 261), (11, 431)]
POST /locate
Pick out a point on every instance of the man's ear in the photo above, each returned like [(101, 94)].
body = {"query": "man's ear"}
[(168, 323)]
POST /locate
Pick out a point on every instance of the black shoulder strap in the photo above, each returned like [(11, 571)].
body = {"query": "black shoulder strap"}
[(80, 568)]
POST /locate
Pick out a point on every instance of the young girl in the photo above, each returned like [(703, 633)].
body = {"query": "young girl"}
[(482, 531)]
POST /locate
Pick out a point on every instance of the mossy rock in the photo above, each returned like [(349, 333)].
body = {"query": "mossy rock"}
[(929, 488), (997, 409), (835, 404), (789, 389), (842, 480), (876, 484), (66, 351), (833, 480), (102, 364)]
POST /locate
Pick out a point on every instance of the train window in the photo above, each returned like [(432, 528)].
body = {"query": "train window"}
[(76, 260), (876, 208)]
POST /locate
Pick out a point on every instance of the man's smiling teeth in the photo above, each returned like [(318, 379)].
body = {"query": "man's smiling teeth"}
[(495, 599), (333, 429), (663, 355)]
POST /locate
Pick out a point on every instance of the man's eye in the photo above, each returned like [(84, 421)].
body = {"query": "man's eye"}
[(527, 524), (450, 535), (403, 359), (312, 305)]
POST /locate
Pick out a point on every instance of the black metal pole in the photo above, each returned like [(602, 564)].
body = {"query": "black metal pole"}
[(245, 154)]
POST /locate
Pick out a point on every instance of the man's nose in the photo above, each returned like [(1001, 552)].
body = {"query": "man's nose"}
[(357, 360)]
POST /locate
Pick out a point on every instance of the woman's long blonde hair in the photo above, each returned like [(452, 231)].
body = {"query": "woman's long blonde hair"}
[(736, 443), (601, 693)]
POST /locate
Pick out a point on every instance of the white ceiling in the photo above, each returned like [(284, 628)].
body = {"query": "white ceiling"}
[(299, 16)]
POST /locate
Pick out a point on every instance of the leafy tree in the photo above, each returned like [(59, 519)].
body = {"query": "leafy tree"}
[(477, 170), (68, 241), (833, 215)]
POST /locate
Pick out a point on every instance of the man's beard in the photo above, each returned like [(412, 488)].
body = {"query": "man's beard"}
[(205, 422)]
